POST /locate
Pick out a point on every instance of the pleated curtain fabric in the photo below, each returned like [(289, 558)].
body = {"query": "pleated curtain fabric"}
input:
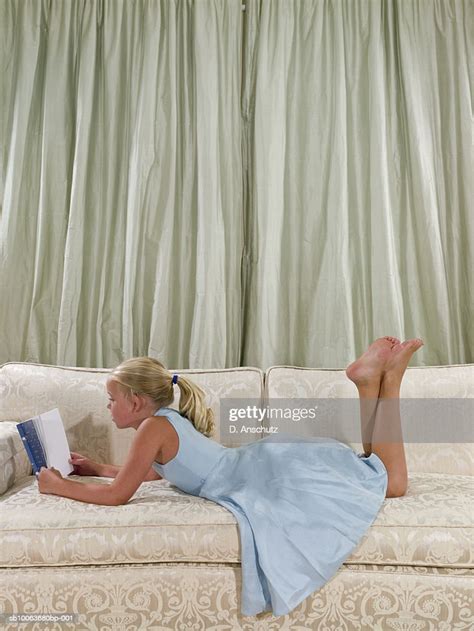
[(215, 187), (122, 204), (361, 197)]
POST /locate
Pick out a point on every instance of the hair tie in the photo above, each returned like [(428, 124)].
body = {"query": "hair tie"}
[(175, 379)]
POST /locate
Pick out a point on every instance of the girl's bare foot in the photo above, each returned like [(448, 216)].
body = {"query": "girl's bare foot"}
[(369, 367), (399, 357)]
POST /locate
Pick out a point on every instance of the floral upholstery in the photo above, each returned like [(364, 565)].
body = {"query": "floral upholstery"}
[(80, 395), (169, 560), (14, 463), (283, 382), (431, 525), (197, 596)]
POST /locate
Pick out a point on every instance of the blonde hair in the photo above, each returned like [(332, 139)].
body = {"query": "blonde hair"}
[(148, 376)]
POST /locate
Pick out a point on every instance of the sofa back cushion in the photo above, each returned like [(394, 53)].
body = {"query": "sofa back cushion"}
[(430, 382), (80, 395)]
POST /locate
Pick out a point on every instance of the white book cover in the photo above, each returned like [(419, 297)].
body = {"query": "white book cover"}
[(50, 429)]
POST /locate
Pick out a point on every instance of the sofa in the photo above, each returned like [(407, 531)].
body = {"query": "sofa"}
[(168, 560)]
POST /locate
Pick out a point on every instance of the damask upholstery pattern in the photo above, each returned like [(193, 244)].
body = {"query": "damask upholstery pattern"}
[(457, 382), (14, 463), (197, 597), (430, 526), (80, 395), (168, 560)]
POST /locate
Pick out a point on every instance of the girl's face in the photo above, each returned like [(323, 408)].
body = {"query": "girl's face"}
[(119, 405)]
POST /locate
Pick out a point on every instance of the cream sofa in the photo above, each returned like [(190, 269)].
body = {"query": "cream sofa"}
[(168, 560)]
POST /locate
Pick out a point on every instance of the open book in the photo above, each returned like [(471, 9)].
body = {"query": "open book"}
[(45, 442)]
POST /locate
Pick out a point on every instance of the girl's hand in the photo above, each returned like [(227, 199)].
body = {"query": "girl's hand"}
[(48, 480), (84, 465)]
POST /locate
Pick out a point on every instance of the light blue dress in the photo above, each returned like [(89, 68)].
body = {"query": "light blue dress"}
[(302, 506)]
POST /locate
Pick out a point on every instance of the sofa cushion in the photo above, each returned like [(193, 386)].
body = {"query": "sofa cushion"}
[(159, 524), (434, 382), (14, 463), (80, 394), (456, 381), (432, 525)]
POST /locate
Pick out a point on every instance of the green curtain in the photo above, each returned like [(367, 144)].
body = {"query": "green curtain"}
[(121, 217), (217, 187), (361, 198)]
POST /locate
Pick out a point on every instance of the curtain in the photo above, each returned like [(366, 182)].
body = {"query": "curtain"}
[(121, 228), (360, 202), (215, 187)]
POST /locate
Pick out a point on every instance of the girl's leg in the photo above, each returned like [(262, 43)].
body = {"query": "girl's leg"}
[(387, 439), (368, 400), (367, 372)]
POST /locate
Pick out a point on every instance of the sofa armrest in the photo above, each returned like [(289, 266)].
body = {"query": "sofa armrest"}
[(14, 463)]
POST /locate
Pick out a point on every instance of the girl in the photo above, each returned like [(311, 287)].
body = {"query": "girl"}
[(302, 506)]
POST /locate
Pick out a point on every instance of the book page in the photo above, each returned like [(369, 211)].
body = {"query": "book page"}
[(54, 441)]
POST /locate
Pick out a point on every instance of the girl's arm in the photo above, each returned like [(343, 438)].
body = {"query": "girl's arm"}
[(50, 481), (111, 471), (148, 440), (86, 466)]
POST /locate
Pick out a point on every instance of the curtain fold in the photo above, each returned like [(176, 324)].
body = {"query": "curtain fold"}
[(361, 184), (215, 187), (121, 218)]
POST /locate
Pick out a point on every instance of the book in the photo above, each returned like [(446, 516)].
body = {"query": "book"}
[(45, 442)]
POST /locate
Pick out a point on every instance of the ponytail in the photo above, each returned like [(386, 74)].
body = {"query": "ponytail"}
[(192, 405), (148, 376)]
